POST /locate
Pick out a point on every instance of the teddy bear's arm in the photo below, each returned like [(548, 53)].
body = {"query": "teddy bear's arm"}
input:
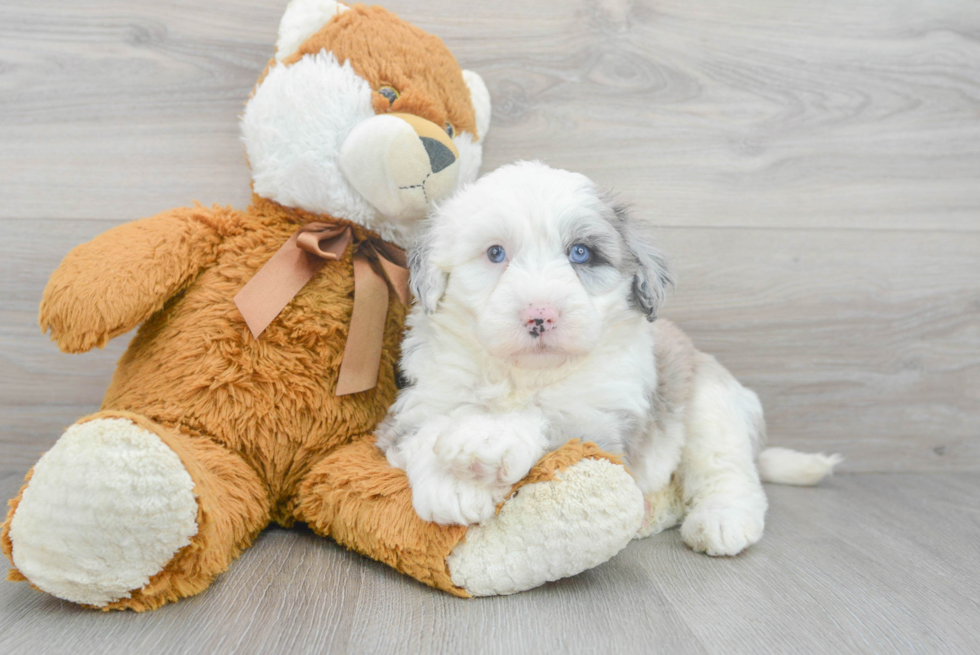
[(111, 284)]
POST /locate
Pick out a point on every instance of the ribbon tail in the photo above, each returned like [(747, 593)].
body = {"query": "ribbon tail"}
[(362, 352), (275, 284), (398, 278)]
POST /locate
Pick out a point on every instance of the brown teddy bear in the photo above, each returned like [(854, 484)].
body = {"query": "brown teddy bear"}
[(268, 345)]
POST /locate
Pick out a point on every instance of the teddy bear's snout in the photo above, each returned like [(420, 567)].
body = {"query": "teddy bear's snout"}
[(400, 163)]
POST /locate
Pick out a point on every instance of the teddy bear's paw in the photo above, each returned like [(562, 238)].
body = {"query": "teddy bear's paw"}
[(106, 508), (491, 450), (720, 527), (550, 530)]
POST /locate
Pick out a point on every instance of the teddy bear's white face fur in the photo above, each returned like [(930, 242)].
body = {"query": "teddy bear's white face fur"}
[(314, 141)]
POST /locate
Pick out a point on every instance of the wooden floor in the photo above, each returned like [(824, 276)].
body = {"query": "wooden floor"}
[(870, 563), (814, 170)]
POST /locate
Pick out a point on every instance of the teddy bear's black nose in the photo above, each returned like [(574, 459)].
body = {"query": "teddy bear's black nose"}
[(439, 155)]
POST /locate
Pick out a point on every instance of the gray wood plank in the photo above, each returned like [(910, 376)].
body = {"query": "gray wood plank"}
[(865, 564), (863, 342), (840, 576), (770, 114)]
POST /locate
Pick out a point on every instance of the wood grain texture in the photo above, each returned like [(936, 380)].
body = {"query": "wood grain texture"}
[(775, 113), (865, 564)]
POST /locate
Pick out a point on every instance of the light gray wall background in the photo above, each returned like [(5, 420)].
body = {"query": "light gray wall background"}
[(812, 168)]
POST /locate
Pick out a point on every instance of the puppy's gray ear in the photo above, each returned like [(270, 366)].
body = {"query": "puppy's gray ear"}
[(427, 281), (653, 277)]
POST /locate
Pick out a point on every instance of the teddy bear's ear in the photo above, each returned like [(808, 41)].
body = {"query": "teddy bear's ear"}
[(303, 19), (480, 97)]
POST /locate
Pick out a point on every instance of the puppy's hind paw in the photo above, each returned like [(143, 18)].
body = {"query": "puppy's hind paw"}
[(717, 529)]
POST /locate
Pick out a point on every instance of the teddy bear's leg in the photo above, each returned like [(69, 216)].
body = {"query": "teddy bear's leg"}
[(123, 513), (574, 510)]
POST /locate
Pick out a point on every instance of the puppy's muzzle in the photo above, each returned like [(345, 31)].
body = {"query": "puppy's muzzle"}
[(400, 163)]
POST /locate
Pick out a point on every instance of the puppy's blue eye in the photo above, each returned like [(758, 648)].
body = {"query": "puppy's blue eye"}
[(496, 254), (579, 254)]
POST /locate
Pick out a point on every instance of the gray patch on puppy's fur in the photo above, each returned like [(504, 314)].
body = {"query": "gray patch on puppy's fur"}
[(598, 278), (676, 358), (652, 277)]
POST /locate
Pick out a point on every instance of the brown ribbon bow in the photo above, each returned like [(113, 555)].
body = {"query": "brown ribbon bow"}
[(376, 265)]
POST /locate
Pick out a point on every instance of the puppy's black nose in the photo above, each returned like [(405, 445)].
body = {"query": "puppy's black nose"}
[(439, 155)]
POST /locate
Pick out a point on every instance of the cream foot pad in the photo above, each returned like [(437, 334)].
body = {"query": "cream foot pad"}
[(106, 508), (550, 530)]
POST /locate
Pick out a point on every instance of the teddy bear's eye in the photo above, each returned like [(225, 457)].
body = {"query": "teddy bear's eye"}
[(450, 130), (390, 93)]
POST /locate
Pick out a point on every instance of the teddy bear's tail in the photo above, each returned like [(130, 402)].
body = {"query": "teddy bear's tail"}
[(785, 466)]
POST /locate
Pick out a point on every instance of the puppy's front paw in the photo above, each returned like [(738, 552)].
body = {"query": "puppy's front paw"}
[(450, 501), (718, 528), (491, 450)]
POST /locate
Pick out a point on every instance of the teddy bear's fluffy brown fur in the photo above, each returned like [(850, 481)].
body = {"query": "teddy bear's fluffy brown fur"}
[(255, 421)]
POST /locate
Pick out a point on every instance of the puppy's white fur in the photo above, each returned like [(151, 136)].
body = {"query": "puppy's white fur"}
[(487, 397)]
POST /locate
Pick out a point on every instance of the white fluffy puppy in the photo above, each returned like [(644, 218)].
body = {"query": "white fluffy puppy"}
[(534, 325)]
